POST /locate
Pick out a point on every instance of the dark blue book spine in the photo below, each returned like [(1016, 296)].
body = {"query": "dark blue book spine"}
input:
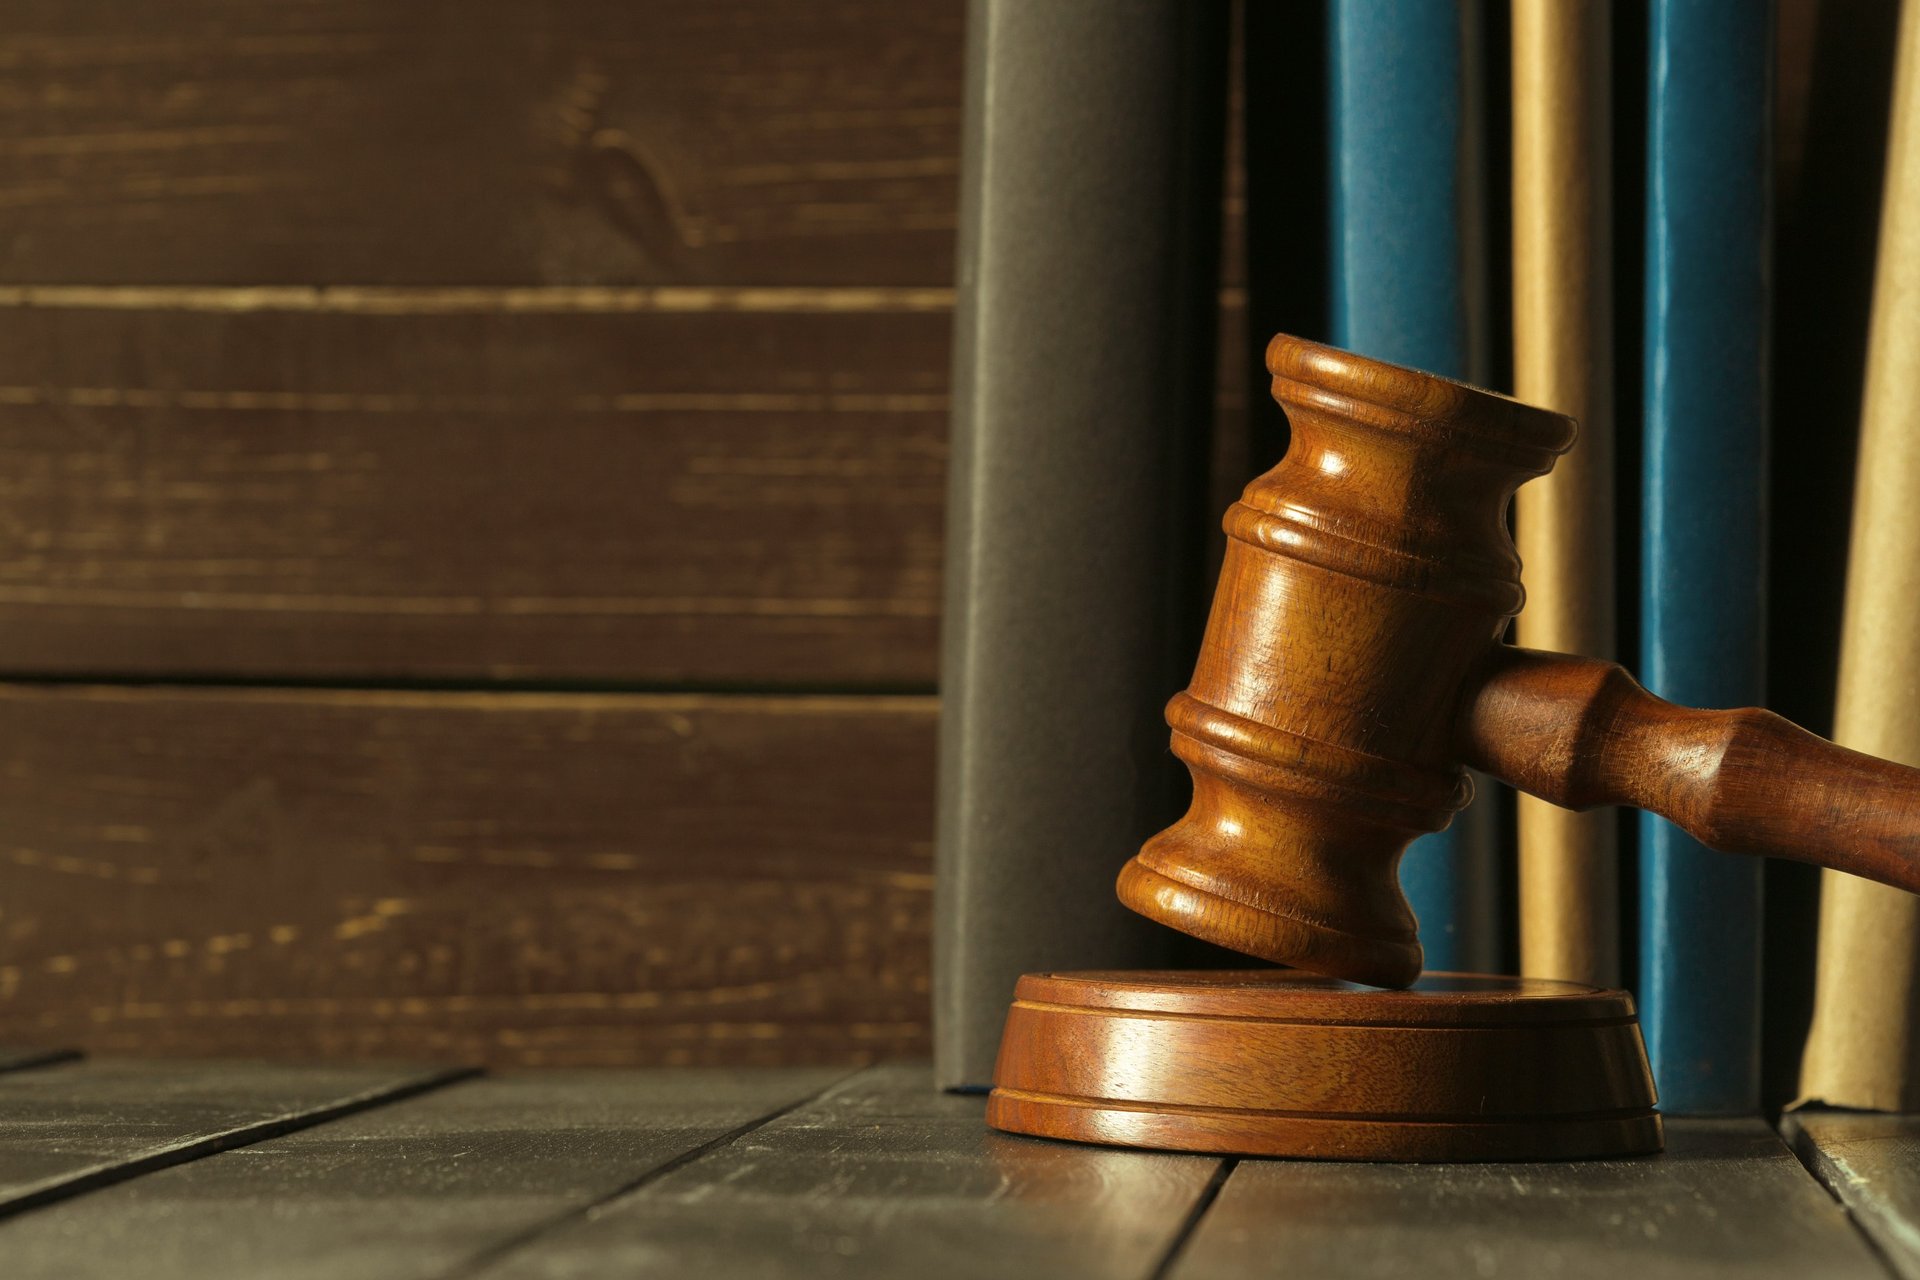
[(1702, 604), (1409, 285)]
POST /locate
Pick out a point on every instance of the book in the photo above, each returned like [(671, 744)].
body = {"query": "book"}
[(1409, 285), (1563, 522), (1083, 336), (1703, 547), (1864, 1046)]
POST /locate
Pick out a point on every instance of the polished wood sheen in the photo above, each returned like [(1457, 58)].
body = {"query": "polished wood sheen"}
[(1582, 733), (1352, 665), (1285, 1063)]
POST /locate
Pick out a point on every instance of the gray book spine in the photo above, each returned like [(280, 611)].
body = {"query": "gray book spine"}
[(1083, 346)]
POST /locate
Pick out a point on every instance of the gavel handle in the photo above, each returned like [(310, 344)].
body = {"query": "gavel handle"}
[(1580, 732)]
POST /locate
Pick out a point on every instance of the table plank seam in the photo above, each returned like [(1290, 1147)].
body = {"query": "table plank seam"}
[(1823, 1171), (487, 1258), (1202, 1203), (39, 1058), (245, 1135)]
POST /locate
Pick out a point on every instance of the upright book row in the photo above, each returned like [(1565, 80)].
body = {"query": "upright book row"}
[(1087, 270)]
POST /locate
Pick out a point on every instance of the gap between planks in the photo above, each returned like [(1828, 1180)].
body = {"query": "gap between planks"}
[(421, 1189), (882, 1175), (244, 1135), (487, 1258), (1208, 1195), (1900, 1253), (20, 1059)]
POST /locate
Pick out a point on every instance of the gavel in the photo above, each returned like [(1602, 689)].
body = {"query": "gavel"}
[(1353, 664)]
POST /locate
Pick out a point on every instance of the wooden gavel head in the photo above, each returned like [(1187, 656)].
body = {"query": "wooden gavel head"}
[(1352, 664), (1364, 578)]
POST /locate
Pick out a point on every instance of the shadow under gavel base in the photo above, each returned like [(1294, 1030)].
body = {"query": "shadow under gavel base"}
[(1287, 1063)]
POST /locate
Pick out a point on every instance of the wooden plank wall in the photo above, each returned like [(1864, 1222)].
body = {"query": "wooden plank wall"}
[(471, 481)]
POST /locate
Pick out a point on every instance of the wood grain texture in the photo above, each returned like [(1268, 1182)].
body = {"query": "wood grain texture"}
[(1364, 577), (1726, 1199), (1581, 732), (620, 485), (572, 1174), (482, 877), (885, 1177), (424, 1187), (1283, 1063), (1563, 523), (1351, 666), (1871, 1163), (501, 141), (77, 1127)]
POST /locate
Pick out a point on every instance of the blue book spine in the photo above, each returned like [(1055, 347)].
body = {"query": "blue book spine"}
[(1702, 603), (1410, 286)]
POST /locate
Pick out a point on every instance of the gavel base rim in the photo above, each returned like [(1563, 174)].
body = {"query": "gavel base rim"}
[(1283, 1063)]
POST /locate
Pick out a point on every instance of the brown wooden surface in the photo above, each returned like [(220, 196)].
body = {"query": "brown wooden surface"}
[(484, 877), (461, 485), (499, 141), (705, 485), (578, 342), (1284, 1063), (490, 451), (583, 344)]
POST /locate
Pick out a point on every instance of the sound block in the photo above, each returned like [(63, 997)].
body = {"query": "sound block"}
[(1287, 1063)]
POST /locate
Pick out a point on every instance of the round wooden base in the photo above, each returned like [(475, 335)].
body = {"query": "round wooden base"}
[(1286, 1063)]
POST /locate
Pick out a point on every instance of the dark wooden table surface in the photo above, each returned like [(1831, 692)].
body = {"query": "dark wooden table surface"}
[(218, 1169)]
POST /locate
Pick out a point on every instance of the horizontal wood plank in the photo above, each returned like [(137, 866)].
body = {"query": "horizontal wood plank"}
[(883, 1176), (425, 1187), (630, 486), (493, 141), (509, 878), (72, 1128), (1871, 1163), (1727, 1198)]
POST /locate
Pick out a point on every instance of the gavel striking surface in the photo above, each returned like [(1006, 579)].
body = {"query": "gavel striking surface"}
[(1286, 1063)]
